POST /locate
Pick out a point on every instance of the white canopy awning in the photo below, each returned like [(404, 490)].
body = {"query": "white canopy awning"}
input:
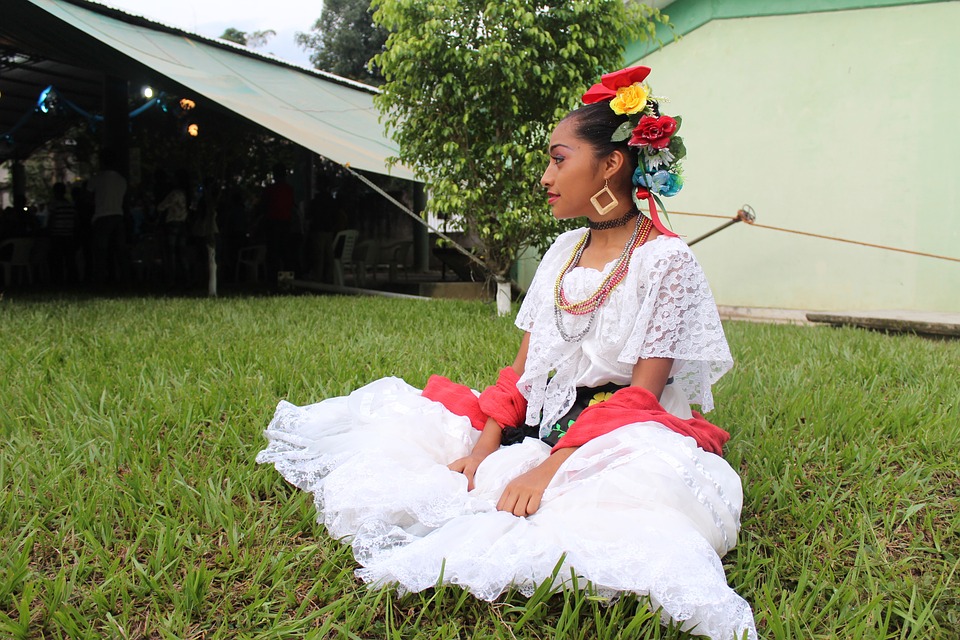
[(331, 116)]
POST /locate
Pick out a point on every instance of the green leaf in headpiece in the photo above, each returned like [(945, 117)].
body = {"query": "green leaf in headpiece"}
[(677, 148), (679, 122), (623, 132), (663, 210)]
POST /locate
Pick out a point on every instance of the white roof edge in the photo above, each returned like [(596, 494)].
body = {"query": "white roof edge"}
[(219, 42)]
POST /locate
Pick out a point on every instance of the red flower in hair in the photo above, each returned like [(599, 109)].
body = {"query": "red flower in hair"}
[(606, 89), (653, 131)]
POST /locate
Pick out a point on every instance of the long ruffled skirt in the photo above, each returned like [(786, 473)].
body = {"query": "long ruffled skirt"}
[(641, 509)]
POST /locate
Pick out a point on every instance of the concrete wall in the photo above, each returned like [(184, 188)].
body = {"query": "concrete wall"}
[(842, 123)]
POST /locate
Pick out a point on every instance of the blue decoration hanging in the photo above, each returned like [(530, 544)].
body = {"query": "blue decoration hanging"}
[(50, 99)]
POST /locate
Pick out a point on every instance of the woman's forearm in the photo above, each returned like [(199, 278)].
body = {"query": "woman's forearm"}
[(489, 440), (556, 459)]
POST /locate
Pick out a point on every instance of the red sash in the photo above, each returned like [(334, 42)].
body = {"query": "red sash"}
[(636, 404)]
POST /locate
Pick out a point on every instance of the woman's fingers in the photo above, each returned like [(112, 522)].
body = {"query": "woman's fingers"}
[(533, 504), (520, 499), (507, 501), (470, 471), (458, 465), (468, 467)]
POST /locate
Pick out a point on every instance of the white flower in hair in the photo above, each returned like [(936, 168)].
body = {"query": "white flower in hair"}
[(656, 158)]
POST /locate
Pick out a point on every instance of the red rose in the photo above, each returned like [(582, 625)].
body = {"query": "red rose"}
[(606, 89), (652, 131)]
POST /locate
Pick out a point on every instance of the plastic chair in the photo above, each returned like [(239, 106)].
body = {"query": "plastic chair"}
[(343, 246), (15, 256), (252, 260), (400, 260), (368, 256)]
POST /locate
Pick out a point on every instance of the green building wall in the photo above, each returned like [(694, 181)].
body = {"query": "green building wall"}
[(835, 118)]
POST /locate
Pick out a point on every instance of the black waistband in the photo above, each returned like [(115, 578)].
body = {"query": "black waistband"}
[(585, 397)]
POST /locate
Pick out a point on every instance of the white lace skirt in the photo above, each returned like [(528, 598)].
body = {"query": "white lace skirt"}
[(639, 510)]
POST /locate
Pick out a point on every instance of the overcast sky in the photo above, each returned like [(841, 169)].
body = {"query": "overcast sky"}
[(211, 17)]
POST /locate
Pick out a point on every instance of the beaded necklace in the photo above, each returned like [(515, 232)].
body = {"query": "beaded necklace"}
[(591, 305)]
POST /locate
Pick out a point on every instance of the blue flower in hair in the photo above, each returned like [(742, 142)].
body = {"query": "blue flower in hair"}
[(661, 182), (653, 182), (673, 186), (639, 179)]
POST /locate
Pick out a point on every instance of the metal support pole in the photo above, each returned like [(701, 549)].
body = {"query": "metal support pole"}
[(421, 235), (19, 178), (116, 123), (745, 214)]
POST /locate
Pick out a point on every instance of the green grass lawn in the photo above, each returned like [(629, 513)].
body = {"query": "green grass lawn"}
[(131, 506)]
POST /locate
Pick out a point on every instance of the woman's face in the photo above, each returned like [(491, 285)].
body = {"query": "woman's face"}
[(573, 176)]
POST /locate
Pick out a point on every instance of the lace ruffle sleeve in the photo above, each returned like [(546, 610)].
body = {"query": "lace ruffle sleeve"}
[(550, 369), (678, 319), (540, 293)]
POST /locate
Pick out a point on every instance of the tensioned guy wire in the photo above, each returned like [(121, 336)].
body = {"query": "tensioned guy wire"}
[(413, 215), (471, 256), (821, 236)]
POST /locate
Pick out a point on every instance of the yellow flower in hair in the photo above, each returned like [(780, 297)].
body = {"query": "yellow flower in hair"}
[(631, 99), (599, 397)]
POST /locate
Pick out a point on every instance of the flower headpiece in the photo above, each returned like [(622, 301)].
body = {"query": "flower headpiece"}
[(652, 134)]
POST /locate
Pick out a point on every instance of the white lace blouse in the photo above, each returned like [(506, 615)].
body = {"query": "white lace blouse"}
[(663, 309)]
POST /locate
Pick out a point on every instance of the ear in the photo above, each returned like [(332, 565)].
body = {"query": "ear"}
[(613, 164)]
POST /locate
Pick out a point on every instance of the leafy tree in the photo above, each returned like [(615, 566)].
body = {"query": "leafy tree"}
[(234, 35), (58, 160), (257, 39), (473, 88), (344, 39), (254, 39)]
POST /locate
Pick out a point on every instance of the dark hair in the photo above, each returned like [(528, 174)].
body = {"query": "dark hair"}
[(595, 123)]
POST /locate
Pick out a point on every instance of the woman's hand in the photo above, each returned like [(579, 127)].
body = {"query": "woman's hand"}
[(468, 467), (488, 442), (523, 494), (492, 434)]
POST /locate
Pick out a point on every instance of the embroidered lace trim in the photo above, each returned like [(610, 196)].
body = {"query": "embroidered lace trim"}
[(663, 309)]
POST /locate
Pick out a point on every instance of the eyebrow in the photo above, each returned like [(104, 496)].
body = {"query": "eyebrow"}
[(554, 146)]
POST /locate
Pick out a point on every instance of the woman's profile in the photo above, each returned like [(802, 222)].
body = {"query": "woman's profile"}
[(585, 453)]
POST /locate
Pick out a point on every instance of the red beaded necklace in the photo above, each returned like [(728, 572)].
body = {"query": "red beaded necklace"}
[(614, 278)]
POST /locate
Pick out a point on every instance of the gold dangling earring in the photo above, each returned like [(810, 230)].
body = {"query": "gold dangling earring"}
[(603, 210)]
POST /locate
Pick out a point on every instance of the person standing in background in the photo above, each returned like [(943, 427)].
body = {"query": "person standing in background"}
[(173, 210), (61, 226), (109, 189), (277, 203)]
